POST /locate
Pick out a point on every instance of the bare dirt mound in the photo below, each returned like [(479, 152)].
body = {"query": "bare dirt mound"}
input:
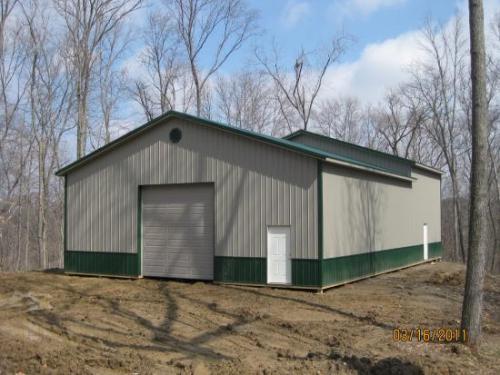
[(52, 323), (454, 278)]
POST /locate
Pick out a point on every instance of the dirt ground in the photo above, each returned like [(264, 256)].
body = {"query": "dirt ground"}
[(54, 323)]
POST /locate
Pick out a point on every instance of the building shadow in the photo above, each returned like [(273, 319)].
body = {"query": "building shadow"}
[(389, 365)]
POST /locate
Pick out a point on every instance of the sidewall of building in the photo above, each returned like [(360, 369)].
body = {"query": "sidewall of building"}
[(374, 223), (256, 185)]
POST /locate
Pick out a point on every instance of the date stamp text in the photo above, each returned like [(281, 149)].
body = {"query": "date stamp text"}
[(436, 335)]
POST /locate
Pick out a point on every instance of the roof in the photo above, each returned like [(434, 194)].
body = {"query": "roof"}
[(279, 142), (372, 151)]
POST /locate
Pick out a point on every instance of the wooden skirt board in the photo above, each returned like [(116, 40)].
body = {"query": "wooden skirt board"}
[(178, 231)]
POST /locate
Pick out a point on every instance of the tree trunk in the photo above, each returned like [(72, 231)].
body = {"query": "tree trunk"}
[(476, 260), (198, 101), (20, 213), (44, 219), (41, 205), (107, 132), (457, 219), (493, 197), (28, 234), (81, 141), (33, 126), (494, 234), (197, 88), (19, 225)]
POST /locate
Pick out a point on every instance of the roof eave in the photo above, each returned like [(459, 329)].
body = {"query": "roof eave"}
[(295, 134), (124, 138), (370, 170), (429, 169)]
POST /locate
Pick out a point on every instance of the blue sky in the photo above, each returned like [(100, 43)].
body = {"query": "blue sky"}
[(386, 41), (309, 23), (319, 20), (386, 36)]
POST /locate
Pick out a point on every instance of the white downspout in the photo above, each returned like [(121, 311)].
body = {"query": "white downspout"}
[(426, 243)]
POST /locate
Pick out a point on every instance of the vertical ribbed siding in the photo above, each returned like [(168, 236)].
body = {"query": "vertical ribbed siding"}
[(306, 272), (256, 185), (101, 263), (341, 269), (320, 220), (139, 231), (435, 250), (240, 270), (65, 239), (364, 212)]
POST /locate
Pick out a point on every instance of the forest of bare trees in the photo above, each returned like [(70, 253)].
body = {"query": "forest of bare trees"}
[(66, 88)]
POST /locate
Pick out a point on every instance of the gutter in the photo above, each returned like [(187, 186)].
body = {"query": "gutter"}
[(428, 169), (370, 170)]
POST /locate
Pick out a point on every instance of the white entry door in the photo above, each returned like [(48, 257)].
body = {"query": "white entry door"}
[(279, 264)]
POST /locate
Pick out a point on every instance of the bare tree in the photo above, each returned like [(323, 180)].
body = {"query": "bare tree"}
[(156, 92), (12, 63), (494, 201), (88, 23), (341, 118), (296, 94), (493, 86), (476, 260), (399, 120), (50, 107), (142, 96), (437, 83), (245, 100), (215, 29), (111, 82), (15, 141)]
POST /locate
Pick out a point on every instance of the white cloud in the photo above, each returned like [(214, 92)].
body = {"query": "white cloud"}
[(380, 67), (134, 66), (295, 11), (355, 8), (385, 65), (370, 6)]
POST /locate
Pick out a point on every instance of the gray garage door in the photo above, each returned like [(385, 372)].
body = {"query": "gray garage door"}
[(178, 227)]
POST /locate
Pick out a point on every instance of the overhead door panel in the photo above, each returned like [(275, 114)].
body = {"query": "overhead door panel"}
[(178, 229)]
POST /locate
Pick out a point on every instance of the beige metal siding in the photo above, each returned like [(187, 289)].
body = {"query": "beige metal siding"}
[(178, 227), (364, 212), (255, 185)]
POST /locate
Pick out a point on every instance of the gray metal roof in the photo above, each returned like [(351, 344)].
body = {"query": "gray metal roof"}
[(388, 162)]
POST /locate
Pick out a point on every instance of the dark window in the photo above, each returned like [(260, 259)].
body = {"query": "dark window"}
[(175, 135)]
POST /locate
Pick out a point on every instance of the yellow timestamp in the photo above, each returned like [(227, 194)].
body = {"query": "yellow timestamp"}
[(429, 334)]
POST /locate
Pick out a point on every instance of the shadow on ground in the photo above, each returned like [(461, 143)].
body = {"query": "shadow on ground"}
[(390, 365)]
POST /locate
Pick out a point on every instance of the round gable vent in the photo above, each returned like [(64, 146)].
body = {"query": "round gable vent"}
[(175, 135)]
